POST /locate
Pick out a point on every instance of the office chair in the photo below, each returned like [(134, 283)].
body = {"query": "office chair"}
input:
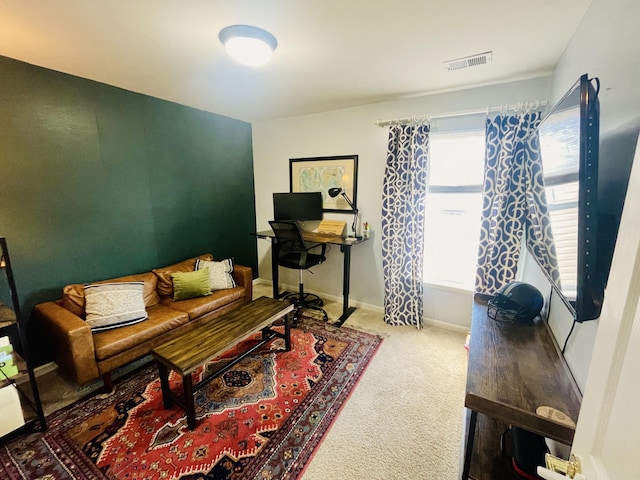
[(293, 252)]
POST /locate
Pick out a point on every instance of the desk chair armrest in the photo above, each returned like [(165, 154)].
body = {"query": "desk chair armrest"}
[(323, 246), (303, 254)]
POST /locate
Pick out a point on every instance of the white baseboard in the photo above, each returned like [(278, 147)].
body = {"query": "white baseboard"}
[(373, 308), (445, 325), (328, 296), (46, 368)]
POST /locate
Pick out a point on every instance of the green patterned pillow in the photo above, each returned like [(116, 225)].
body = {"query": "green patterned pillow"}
[(190, 284), (113, 305), (219, 273)]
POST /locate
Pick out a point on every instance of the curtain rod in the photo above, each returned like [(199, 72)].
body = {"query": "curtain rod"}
[(425, 118)]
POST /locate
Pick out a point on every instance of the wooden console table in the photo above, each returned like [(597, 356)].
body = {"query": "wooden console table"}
[(513, 369)]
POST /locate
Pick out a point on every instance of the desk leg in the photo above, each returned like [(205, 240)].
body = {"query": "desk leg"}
[(346, 309), (471, 434)]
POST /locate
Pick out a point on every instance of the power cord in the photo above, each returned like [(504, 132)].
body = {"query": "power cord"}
[(573, 325), (566, 341)]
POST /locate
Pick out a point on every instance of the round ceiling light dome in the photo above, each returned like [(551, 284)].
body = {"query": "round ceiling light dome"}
[(248, 45)]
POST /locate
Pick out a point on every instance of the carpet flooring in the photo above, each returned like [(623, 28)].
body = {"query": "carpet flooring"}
[(263, 419)]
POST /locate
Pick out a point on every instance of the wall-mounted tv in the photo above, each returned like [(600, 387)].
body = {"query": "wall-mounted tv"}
[(569, 147)]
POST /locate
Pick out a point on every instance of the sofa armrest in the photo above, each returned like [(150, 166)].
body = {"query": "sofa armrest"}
[(243, 277), (72, 341)]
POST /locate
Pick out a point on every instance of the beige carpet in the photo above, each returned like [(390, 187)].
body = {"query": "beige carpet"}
[(403, 421)]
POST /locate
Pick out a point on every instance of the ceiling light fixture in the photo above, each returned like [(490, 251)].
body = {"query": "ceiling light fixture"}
[(248, 45)]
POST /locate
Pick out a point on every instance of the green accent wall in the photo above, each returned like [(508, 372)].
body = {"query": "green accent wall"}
[(98, 182)]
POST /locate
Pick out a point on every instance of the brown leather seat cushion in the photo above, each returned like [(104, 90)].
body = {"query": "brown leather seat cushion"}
[(199, 306), (161, 319)]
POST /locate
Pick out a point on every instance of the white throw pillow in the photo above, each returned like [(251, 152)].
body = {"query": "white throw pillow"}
[(219, 273), (113, 305)]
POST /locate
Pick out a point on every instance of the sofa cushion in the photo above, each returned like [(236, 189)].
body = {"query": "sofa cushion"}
[(197, 307), (114, 305), (190, 284), (165, 283), (73, 295), (161, 320), (219, 273)]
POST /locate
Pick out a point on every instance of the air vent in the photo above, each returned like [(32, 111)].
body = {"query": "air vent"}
[(468, 62)]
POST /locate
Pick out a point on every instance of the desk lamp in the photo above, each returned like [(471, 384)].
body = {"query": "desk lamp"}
[(334, 192)]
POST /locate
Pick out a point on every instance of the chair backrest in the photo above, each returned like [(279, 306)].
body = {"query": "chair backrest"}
[(288, 236), (292, 251)]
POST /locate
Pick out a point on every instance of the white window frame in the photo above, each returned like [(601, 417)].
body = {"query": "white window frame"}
[(438, 280)]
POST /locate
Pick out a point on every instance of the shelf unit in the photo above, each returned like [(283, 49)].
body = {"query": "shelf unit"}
[(20, 406)]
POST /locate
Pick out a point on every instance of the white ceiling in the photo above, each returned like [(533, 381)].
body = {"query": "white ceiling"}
[(331, 53)]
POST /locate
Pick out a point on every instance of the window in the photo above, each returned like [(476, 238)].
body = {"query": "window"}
[(453, 208)]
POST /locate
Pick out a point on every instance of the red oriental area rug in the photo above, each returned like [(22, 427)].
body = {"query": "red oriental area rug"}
[(263, 419)]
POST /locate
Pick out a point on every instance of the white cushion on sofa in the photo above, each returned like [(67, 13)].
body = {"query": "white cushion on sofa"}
[(219, 273), (113, 305)]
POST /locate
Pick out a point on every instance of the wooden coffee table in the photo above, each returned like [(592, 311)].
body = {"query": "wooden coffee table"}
[(186, 353)]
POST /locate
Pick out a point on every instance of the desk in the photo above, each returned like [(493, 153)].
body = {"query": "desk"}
[(345, 245), (513, 369)]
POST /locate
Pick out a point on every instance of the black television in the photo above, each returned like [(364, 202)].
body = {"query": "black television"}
[(298, 206), (569, 148)]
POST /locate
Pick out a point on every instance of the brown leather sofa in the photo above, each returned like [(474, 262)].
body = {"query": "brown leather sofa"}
[(85, 355)]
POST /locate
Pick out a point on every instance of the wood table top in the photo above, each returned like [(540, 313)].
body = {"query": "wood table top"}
[(187, 352), (319, 238), (514, 369)]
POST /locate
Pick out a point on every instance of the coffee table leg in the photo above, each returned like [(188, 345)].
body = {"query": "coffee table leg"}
[(287, 331), (189, 401), (163, 372)]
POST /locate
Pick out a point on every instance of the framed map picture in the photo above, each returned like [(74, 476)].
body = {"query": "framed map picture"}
[(319, 174)]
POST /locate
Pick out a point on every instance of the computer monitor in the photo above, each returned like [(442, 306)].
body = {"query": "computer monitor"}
[(299, 206)]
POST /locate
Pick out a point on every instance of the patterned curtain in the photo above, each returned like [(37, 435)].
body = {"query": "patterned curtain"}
[(513, 202), (404, 191)]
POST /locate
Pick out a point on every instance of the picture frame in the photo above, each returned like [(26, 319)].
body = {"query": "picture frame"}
[(319, 174)]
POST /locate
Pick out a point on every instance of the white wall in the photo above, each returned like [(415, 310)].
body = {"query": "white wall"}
[(352, 131), (605, 45)]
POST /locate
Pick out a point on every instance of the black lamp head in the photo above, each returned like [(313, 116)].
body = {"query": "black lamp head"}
[(334, 192)]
